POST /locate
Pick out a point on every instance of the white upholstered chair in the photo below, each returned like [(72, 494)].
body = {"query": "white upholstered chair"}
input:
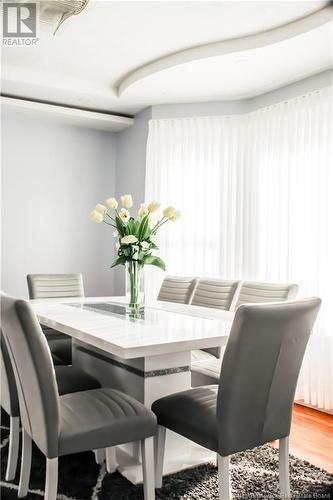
[(251, 292), (217, 294), (47, 286), (53, 286), (177, 289)]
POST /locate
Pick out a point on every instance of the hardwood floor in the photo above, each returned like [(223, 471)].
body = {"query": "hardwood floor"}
[(311, 437)]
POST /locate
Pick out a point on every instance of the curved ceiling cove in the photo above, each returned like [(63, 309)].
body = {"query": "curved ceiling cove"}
[(223, 47)]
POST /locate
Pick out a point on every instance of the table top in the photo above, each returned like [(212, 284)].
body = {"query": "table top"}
[(165, 327)]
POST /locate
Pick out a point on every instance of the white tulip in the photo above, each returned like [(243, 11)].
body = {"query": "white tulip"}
[(124, 214), (168, 212), (175, 216), (127, 240), (126, 200), (111, 203), (153, 206), (143, 210), (96, 217), (145, 245), (100, 208)]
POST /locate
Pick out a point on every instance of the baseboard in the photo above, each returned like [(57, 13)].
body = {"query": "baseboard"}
[(322, 410)]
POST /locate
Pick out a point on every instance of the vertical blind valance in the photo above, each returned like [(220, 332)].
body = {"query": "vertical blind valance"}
[(256, 195)]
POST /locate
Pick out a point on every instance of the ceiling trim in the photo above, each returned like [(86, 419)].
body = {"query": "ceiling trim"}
[(250, 42), (92, 119)]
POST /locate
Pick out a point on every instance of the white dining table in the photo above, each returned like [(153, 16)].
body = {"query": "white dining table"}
[(147, 357)]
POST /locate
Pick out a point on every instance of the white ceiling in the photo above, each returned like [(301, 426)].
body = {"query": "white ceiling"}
[(92, 53)]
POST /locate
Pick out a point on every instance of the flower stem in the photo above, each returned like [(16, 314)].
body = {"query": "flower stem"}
[(108, 223), (110, 216), (134, 282), (159, 223)]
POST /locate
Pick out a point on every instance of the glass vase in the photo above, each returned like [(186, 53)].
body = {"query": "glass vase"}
[(134, 285)]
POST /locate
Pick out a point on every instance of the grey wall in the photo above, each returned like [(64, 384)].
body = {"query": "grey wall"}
[(293, 90), (236, 107), (131, 169), (199, 109), (52, 176), (131, 157)]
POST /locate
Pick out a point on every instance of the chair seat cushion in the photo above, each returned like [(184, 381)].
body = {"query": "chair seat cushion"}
[(62, 349), (200, 355), (101, 418), (192, 414), (70, 379), (205, 372)]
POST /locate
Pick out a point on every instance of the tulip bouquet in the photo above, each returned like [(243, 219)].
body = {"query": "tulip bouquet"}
[(136, 236)]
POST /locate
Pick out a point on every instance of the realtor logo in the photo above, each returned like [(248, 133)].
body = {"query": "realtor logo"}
[(19, 23)]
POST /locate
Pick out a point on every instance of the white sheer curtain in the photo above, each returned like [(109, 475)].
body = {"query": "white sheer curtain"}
[(256, 194)]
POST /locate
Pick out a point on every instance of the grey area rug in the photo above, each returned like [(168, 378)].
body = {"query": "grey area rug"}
[(254, 475)]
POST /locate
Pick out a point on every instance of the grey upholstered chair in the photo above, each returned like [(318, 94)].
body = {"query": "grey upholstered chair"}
[(256, 292), (69, 380), (9, 402), (215, 293), (48, 286), (177, 289), (207, 371), (254, 403), (71, 423)]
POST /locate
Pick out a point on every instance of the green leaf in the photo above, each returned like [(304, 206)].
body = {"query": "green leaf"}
[(137, 226), (120, 226), (131, 226), (120, 261), (143, 230), (154, 261)]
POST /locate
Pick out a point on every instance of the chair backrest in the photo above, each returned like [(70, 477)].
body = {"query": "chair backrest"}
[(256, 292), (8, 396), (177, 289), (215, 293), (259, 372), (34, 373), (47, 286)]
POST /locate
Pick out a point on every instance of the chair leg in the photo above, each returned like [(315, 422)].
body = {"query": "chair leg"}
[(223, 478), (147, 446), (100, 455), (159, 442), (284, 467), (25, 465), (51, 482), (14, 439), (110, 458)]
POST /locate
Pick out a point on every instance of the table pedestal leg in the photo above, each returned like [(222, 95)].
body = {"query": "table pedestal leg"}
[(146, 379)]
